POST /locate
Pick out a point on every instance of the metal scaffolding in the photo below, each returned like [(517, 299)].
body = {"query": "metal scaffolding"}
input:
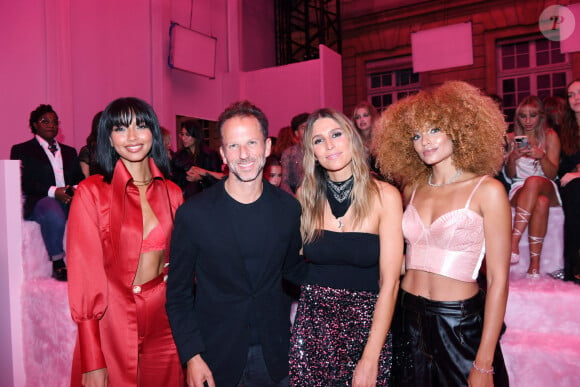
[(302, 25)]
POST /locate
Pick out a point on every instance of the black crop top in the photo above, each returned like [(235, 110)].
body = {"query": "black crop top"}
[(344, 260)]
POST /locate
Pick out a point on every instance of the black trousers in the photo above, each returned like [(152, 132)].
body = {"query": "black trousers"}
[(435, 343), (571, 205)]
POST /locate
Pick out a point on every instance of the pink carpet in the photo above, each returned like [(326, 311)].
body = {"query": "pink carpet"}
[(542, 342), (49, 333), (48, 330)]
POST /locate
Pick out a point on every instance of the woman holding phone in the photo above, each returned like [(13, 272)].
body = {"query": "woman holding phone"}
[(532, 164)]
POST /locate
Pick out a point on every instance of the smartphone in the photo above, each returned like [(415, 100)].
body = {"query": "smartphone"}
[(521, 141), (69, 191)]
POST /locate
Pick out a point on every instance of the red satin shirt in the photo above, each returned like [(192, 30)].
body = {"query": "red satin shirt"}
[(104, 236)]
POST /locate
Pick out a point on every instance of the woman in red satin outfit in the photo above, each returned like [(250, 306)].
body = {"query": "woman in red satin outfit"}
[(119, 228)]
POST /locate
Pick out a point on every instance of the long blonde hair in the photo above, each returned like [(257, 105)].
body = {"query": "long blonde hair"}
[(312, 194), (370, 108), (374, 114), (540, 129)]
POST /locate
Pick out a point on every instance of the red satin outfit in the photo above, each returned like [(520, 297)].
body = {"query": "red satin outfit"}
[(120, 326)]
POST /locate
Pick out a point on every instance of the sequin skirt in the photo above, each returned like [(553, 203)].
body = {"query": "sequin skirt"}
[(329, 335)]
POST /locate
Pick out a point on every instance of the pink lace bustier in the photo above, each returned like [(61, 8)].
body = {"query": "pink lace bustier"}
[(452, 246)]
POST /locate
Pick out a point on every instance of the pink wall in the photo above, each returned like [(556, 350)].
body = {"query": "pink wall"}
[(78, 56), (284, 91), (330, 78), (22, 69)]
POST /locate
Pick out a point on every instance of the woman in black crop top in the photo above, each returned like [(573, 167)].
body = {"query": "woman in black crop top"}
[(351, 228), (441, 143)]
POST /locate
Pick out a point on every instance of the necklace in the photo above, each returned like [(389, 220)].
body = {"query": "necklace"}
[(459, 172), (141, 183), (339, 197)]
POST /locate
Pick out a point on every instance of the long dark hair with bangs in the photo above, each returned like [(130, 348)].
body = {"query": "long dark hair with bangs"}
[(121, 112)]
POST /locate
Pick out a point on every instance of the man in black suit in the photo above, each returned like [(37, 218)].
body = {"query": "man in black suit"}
[(235, 241), (50, 171)]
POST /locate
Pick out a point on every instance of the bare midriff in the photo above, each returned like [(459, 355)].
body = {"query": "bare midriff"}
[(436, 287)]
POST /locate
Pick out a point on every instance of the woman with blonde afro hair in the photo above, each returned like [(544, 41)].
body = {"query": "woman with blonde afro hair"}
[(443, 144), (473, 121)]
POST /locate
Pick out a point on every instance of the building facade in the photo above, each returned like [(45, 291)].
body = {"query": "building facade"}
[(511, 56)]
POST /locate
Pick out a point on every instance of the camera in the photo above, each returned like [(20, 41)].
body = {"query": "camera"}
[(521, 141)]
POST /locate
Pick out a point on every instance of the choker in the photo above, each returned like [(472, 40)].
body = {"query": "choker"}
[(459, 172), (339, 197)]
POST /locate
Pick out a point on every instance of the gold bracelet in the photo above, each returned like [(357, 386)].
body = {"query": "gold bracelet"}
[(482, 370)]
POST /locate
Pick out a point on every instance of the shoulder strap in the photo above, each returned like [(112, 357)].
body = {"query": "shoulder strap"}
[(413, 195), (474, 189)]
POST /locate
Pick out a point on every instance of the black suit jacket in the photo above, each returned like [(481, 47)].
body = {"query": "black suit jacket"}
[(37, 175), (214, 321)]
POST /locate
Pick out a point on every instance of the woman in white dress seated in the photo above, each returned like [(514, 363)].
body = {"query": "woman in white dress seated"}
[(532, 164)]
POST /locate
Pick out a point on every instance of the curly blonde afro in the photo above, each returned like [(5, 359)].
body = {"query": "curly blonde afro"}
[(472, 120)]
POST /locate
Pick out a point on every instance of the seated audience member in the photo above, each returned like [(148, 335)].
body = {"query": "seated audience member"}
[(555, 107), (195, 167), (532, 164), (50, 171), (364, 117), (292, 171), (570, 182), (273, 171), (87, 153)]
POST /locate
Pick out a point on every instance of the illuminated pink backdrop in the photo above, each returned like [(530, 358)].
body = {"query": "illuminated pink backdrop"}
[(80, 55)]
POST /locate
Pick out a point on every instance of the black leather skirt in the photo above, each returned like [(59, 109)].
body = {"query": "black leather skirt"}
[(435, 342)]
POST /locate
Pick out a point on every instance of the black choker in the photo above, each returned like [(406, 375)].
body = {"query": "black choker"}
[(339, 197)]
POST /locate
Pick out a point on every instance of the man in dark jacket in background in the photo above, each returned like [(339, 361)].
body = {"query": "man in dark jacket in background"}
[(50, 172)]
